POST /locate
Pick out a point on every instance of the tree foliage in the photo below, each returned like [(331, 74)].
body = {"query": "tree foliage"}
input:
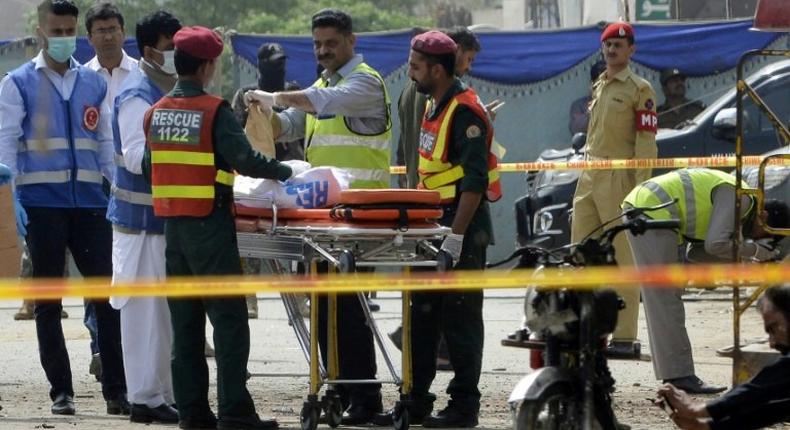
[(271, 16)]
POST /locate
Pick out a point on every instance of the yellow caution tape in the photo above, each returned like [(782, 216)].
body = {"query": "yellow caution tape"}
[(659, 276), (651, 163)]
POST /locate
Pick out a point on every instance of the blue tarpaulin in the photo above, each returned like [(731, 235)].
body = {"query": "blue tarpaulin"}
[(516, 58)]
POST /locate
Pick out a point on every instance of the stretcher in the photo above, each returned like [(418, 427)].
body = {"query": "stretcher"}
[(367, 229)]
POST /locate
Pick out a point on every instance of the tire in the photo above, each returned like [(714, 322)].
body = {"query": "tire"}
[(308, 418), (348, 262), (400, 417), (556, 409), (334, 410)]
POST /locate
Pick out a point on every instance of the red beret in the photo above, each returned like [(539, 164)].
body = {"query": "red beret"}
[(433, 43), (199, 42), (617, 29)]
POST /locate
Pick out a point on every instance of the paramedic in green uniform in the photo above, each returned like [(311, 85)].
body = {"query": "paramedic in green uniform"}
[(194, 142)]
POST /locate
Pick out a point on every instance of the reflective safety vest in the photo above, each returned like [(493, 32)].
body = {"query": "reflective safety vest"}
[(131, 204), (693, 189), (331, 142), (183, 171), (435, 170), (58, 155)]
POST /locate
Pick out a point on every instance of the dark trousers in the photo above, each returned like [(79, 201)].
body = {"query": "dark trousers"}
[(89, 321), (88, 235), (458, 316), (201, 247), (355, 350)]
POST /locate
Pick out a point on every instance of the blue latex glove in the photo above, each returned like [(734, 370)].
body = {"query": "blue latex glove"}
[(5, 174), (21, 218)]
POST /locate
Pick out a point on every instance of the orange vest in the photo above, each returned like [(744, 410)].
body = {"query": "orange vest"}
[(178, 132), (436, 172)]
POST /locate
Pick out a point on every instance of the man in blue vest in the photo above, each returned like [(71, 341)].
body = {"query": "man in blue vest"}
[(138, 236), (345, 120), (57, 141)]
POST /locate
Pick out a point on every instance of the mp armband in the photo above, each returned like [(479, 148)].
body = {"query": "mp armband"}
[(646, 120)]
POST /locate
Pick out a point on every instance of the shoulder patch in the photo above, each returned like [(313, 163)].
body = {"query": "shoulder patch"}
[(473, 131), (649, 104), (640, 82)]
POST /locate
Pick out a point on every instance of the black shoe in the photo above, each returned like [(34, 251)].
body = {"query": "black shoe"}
[(417, 415), (397, 337), (373, 306), (163, 413), (249, 422), (63, 405), (359, 414), (206, 422), (693, 385), (624, 350), (450, 417), (119, 406)]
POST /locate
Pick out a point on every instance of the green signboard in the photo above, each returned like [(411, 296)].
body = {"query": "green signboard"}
[(653, 10)]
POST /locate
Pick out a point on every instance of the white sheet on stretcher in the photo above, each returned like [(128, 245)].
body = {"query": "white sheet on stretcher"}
[(312, 188)]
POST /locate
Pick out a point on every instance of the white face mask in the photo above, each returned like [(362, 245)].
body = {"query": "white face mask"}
[(169, 66)]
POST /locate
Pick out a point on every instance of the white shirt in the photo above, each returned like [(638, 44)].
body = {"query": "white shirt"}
[(12, 113), (130, 124), (116, 78)]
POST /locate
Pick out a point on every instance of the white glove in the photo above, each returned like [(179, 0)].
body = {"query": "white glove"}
[(297, 167), (452, 245), (265, 98), (764, 253)]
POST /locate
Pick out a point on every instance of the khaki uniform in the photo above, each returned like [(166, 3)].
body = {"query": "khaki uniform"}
[(669, 117), (622, 125)]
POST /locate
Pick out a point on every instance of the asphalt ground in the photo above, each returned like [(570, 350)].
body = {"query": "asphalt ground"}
[(279, 370)]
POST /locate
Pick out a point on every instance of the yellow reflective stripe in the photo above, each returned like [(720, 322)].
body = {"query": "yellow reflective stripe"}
[(446, 192), (183, 157), (493, 176), (225, 178), (441, 138), (183, 191), (447, 177)]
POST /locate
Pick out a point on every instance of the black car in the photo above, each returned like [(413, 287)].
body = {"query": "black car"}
[(543, 213)]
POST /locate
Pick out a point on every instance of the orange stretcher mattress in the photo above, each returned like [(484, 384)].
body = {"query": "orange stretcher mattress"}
[(343, 213), (390, 196), (248, 224)]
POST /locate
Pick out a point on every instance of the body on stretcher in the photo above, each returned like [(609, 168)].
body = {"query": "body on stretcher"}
[(368, 228)]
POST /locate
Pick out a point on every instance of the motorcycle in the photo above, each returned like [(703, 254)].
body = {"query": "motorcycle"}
[(566, 330)]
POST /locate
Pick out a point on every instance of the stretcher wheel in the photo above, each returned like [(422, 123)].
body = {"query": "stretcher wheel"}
[(308, 418), (444, 262), (333, 408), (400, 417), (348, 263)]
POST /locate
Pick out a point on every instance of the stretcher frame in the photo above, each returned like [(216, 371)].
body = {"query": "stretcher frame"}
[(740, 368), (345, 248)]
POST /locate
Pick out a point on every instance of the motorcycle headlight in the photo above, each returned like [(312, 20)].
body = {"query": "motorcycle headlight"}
[(544, 218)]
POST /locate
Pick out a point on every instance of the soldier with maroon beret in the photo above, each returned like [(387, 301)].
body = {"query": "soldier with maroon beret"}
[(622, 125), (183, 130)]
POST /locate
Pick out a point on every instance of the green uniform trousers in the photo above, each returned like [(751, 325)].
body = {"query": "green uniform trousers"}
[(458, 315), (203, 247)]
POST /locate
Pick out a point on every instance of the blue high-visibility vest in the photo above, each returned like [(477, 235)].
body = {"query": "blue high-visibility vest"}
[(131, 204), (58, 158)]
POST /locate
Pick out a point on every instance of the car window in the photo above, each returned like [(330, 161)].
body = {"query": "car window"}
[(776, 95)]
